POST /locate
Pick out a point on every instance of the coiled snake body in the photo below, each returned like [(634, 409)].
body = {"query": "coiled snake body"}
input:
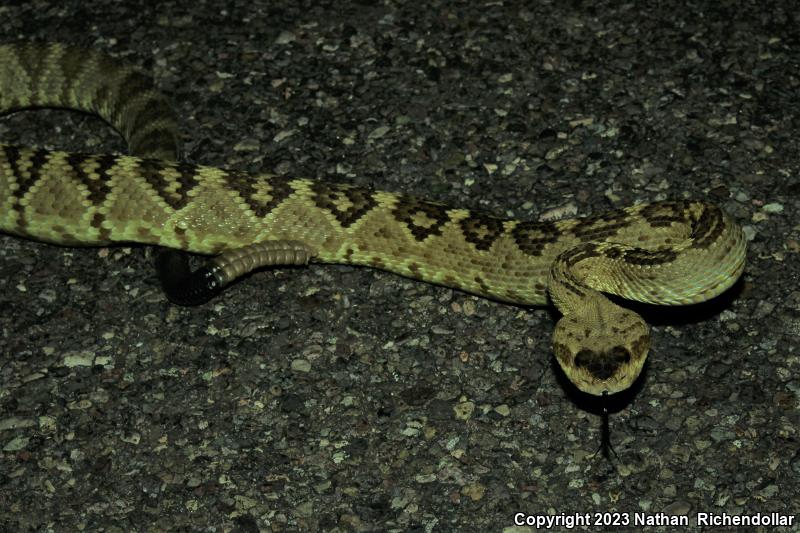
[(670, 253)]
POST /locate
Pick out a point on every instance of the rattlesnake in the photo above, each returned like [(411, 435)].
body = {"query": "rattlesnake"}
[(672, 253)]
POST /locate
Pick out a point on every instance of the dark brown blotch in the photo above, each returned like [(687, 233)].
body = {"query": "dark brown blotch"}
[(571, 284), (708, 227), (104, 234), (640, 256), (244, 185), (38, 160), (98, 186), (154, 173), (532, 237), (665, 214), (613, 252), (481, 231), (327, 196), (408, 209), (600, 227), (13, 155), (575, 255), (482, 284)]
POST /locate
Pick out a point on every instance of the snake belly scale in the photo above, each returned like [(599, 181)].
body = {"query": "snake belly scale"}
[(670, 253)]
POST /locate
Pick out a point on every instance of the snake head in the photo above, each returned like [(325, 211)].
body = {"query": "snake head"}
[(601, 347)]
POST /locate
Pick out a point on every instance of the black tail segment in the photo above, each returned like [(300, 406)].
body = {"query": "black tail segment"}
[(181, 285), (184, 287)]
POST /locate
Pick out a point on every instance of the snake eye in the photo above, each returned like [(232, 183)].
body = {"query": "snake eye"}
[(602, 365)]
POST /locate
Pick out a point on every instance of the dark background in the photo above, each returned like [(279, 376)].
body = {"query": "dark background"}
[(337, 398)]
